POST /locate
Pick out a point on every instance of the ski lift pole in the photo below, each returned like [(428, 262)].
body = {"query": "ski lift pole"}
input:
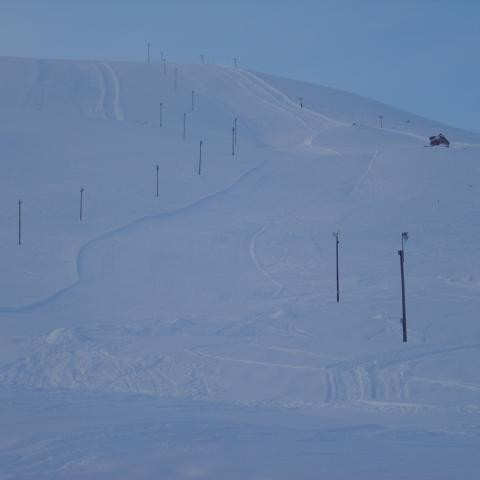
[(200, 159), (81, 203), (235, 127), (401, 253), (19, 222), (337, 241)]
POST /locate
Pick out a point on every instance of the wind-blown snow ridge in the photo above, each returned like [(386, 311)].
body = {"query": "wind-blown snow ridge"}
[(115, 231)]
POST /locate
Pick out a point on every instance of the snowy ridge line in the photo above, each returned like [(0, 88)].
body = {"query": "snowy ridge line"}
[(257, 263), (110, 233)]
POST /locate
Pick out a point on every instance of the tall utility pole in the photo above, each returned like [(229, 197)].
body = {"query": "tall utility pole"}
[(81, 203), (401, 253), (193, 99), (337, 241), (380, 117), (19, 222), (148, 52), (235, 127), (184, 126), (200, 159), (161, 113), (175, 79), (233, 141), (157, 168)]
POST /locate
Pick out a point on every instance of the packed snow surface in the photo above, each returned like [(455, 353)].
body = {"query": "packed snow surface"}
[(196, 334)]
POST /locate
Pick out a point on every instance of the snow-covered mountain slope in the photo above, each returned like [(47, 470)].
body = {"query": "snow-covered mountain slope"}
[(218, 296)]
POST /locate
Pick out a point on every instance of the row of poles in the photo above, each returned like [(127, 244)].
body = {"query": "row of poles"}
[(401, 254), (157, 170), (163, 60), (235, 63)]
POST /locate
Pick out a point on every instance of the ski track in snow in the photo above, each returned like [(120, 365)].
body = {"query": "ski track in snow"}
[(298, 350), (100, 108), (157, 216), (278, 101), (109, 102), (380, 377), (377, 382), (279, 286), (280, 98), (449, 383), (199, 353), (365, 173)]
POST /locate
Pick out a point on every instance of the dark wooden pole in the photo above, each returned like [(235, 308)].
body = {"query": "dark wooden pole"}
[(200, 159), (235, 126), (81, 203), (337, 241), (19, 222), (157, 168), (404, 311)]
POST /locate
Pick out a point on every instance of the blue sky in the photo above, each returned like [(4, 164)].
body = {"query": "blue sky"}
[(420, 55)]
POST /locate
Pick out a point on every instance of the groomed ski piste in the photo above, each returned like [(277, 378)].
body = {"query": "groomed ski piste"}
[(196, 335)]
